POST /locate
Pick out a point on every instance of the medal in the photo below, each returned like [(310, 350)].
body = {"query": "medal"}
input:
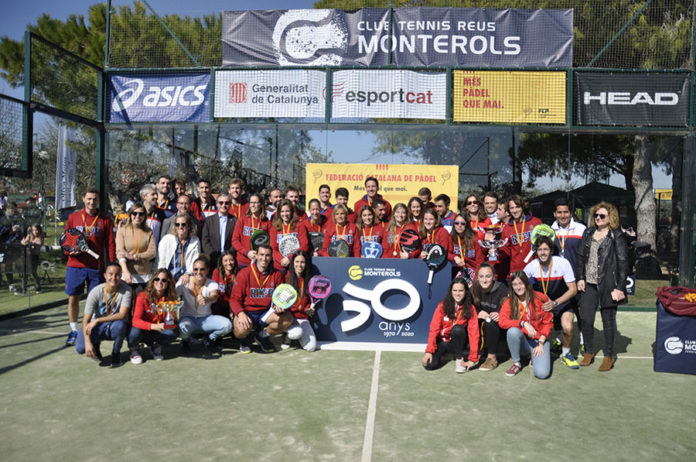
[(395, 253)]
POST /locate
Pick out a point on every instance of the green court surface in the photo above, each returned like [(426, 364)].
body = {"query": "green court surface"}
[(333, 405)]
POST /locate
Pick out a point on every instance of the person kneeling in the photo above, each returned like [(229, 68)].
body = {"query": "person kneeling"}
[(298, 277), (251, 297), (452, 319), (528, 326), (106, 312), (196, 315)]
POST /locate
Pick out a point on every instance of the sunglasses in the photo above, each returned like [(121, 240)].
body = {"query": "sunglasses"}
[(601, 216), (198, 270), (223, 202), (472, 203), (138, 214), (462, 223), (162, 280), (181, 225)]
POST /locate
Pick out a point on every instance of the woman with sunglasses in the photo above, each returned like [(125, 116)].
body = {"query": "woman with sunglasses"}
[(367, 230), (476, 214), (398, 223), (415, 210), (135, 248), (466, 254), (285, 223), (432, 232), (196, 316), (314, 226), (453, 326), (601, 270), (253, 220), (298, 277), (179, 249), (340, 228), (528, 326), (148, 323), (225, 275)]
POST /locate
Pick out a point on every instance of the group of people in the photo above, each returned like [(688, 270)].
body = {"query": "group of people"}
[(199, 250)]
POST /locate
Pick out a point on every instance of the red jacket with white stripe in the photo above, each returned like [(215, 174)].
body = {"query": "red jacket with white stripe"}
[(441, 329)]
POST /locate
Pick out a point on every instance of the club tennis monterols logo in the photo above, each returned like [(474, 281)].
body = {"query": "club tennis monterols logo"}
[(309, 38), (374, 297), (674, 345), (355, 273)]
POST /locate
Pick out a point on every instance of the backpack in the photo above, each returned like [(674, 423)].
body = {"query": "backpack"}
[(674, 301)]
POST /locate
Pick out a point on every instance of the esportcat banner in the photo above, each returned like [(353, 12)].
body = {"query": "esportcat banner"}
[(389, 94), (481, 37), (274, 93), (637, 99), (523, 97), (159, 97), (397, 182)]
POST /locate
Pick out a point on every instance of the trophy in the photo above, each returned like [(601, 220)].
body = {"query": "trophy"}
[(168, 312), (492, 244)]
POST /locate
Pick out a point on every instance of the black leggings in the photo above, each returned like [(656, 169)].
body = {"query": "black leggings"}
[(491, 336), (459, 338), (588, 310)]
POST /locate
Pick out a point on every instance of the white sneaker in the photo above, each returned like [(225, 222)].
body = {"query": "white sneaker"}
[(459, 367), (135, 357), (156, 352)]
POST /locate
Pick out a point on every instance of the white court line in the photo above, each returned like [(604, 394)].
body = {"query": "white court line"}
[(371, 411)]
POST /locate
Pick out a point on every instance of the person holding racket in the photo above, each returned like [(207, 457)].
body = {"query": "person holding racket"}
[(106, 317), (487, 296), (251, 298), (340, 228), (518, 233), (368, 229), (298, 277), (285, 226), (196, 316), (432, 232), (254, 219), (135, 248), (179, 249), (465, 253), (98, 231), (398, 223), (225, 275), (313, 227), (528, 326), (453, 326), (148, 324)]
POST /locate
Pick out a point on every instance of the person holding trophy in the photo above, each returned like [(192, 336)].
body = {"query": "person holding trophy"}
[(154, 317)]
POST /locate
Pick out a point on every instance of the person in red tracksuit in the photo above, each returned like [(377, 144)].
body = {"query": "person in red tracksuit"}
[(432, 232), (398, 223), (251, 298), (371, 188), (453, 319), (254, 219), (298, 277), (340, 228), (285, 223), (314, 225), (224, 275), (368, 230), (465, 253), (518, 232), (528, 326)]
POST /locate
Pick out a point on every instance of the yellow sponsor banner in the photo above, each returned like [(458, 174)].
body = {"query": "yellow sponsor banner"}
[(510, 97), (663, 194), (397, 182)]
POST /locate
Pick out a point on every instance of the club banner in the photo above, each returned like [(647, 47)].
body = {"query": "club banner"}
[(275, 93), (635, 99), (159, 98), (479, 37), (519, 97), (378, 300), (397, 182), (389, 94), (66, 168)]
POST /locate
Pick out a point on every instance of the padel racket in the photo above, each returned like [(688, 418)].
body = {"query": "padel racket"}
[(289, 245), (538, 231), (316, 240), (319, 288), (73, 240), (434, 259), (371, 249), (409, 240), (284, 296), (338, 248), (258, 238)]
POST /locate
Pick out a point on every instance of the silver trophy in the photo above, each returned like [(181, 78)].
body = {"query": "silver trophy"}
[(492, 245), (168, 311)]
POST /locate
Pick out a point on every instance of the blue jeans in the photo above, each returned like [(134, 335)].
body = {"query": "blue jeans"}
[(519, 343), (149, 337), (114, 330), (212, 325)]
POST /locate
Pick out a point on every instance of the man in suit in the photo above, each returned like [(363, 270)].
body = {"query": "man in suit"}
[(183, 205), (217, 230)]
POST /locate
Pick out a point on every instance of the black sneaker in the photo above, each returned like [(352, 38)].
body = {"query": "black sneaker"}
[(209, 345), (264, 343), (186, 347), (116, 360)]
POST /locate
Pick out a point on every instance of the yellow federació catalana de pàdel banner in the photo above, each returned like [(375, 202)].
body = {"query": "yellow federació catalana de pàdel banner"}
[(510, 97), (397, 182)]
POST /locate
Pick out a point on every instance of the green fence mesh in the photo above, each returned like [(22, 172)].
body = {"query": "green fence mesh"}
[(11, 133)]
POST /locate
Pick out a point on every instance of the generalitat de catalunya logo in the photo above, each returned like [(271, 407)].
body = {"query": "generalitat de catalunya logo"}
[(674, 345), (309, 38)]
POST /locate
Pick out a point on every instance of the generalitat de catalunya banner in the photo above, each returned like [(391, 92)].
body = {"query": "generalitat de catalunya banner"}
[(510, 97), (159, 98), (381, 300), (274, 93), (637, 99), (479, 37), (389, 94), (397, 182)]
